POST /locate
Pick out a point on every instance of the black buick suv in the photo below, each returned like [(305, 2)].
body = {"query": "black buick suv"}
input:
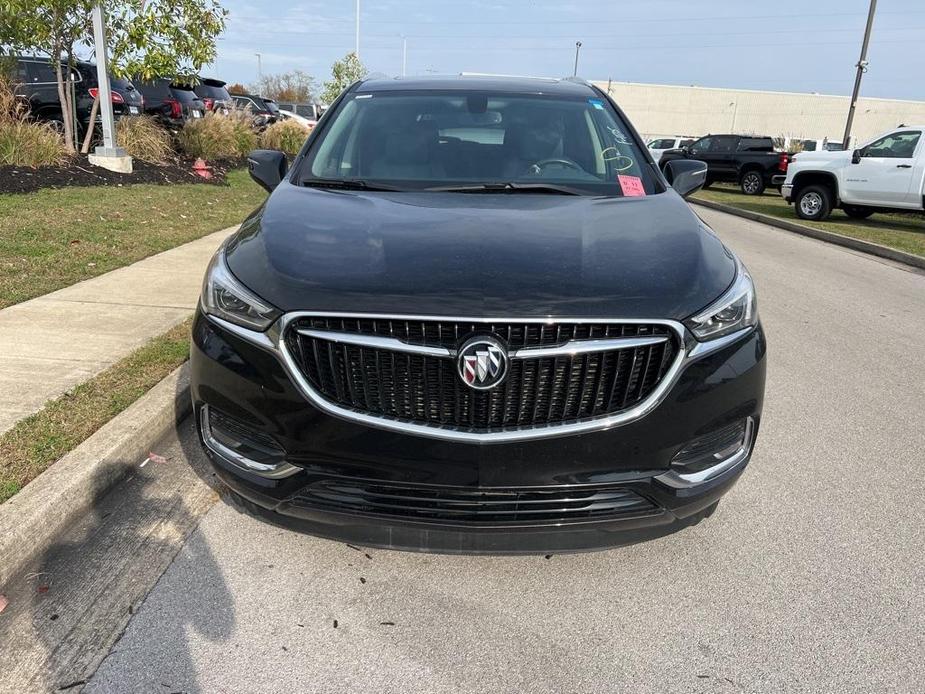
[(474, 316)]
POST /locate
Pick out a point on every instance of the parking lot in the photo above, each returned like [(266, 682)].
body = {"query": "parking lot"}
[(808, 578)]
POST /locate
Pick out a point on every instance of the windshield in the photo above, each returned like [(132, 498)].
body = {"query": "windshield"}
[(210, 91), (429, 140)]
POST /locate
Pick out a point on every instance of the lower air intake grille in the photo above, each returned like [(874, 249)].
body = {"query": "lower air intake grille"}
[(473, 506)]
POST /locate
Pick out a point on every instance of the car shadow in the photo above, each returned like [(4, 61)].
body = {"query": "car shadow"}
[(78, 598)]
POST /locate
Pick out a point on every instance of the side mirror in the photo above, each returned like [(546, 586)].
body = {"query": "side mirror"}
[(686, 176), (267, 167), (856, 156)]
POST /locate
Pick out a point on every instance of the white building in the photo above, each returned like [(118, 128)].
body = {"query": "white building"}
[(663, 110)]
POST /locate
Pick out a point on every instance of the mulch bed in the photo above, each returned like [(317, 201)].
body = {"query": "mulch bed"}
[(79, 172)]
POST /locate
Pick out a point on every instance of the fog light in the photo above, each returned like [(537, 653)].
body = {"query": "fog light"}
[(240, 445), (710, 455)]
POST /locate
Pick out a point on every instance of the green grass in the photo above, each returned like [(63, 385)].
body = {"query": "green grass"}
[(36, 442), (53, 238), (904, 232)]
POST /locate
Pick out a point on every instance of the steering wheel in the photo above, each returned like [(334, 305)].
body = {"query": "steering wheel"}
[(542, 164)]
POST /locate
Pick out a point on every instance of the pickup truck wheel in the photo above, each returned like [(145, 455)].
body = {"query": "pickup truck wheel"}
[(814, 203), (752, 183), (857, 212)]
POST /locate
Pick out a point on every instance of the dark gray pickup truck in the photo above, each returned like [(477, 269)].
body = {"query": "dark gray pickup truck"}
[(751, 162)]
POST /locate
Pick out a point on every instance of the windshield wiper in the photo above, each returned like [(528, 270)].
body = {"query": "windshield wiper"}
[(508, 187), (346, 184)]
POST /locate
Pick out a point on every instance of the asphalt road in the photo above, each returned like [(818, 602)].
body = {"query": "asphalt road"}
[(810, 577)]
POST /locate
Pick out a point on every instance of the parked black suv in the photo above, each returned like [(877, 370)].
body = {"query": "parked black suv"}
[(214, 95), (37, 84), (172, 105), (749, 161), (265, 110), (473, 316)]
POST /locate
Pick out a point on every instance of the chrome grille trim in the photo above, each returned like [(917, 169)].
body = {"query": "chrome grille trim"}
[(587, 346), (571, 347), (389, 343), (272, 341)]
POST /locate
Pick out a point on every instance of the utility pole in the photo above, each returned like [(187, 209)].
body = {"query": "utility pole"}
[(356, 50), (404, 55), (862, 68), (110, 155), (259, 68), (577, 48)]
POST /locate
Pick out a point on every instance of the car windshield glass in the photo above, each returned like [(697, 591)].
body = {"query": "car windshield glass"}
[(418, 140), (210, 91), (184, 95), (271, 106)]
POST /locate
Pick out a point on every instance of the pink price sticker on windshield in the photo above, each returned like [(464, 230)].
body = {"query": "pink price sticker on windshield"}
[(631, 185)]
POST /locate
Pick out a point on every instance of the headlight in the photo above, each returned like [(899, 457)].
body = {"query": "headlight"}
[(224, 297), (736, 309)]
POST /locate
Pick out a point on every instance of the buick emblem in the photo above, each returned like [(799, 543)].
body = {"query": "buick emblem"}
[(482, 363)]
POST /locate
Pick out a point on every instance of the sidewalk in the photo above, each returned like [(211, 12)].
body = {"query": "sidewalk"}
[(52, 343)]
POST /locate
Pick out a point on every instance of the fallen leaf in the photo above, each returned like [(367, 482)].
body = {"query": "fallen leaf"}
[(155, 458), (3, 602), (335, 623), (387, 624), (43, 589)]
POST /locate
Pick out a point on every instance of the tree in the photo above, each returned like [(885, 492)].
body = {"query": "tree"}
[(147, 38), (237, 88), (294, 87), (53, 27), (344, 72)]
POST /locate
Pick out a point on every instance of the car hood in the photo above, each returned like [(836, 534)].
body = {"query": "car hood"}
[(821, 155), (480, 255)]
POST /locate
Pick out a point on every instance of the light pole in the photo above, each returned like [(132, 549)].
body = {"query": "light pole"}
[(862, 68), (259, 68), (404, 55), (110, 155), (577, 48), (356, 50)]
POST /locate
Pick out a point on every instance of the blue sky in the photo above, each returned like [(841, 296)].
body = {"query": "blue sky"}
[(787, 45)]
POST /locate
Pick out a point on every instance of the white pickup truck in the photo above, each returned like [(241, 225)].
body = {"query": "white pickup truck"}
[(886, 174)]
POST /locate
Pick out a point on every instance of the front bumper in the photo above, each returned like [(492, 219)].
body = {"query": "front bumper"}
[(249, 383)]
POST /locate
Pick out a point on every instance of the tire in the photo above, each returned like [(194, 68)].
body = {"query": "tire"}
[(56, 121), (857, 212), (752, 183), (813, 203)]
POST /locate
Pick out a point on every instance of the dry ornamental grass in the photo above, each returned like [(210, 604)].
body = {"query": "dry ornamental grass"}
[(286, 136), (218, 136), (22, 141), (144, 139)]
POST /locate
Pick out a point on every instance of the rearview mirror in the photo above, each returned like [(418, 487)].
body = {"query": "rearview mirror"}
[(856, 156), (267, 167), (686, 176)]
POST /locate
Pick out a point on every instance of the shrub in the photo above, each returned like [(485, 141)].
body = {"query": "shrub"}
[(23, 142), (218, 136), (286, 136), (144, 139)]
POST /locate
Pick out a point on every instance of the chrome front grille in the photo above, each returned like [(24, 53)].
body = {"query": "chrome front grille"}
[(405, 370)]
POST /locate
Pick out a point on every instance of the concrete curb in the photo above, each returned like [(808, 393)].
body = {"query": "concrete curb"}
[(828, 236), (33, 519)]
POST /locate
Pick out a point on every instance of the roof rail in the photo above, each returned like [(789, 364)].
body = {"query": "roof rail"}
[(492, 74)]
